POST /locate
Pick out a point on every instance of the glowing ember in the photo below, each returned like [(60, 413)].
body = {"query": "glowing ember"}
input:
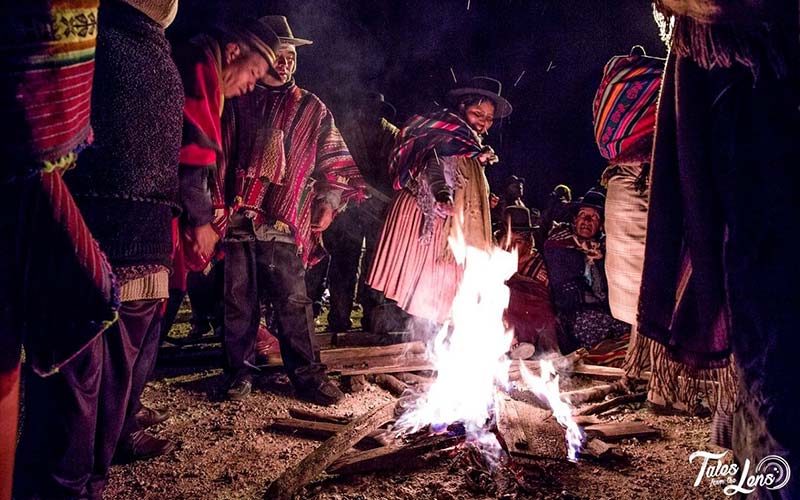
[(546, 387)]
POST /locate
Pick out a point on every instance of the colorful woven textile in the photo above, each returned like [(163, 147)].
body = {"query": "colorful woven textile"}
[(48, 49), (293, 126), (443, 132), (624, 108), (61, 288)]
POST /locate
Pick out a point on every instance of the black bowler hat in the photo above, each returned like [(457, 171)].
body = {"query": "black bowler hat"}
[(518, 219), (592, 199), (378, 99), (486, 87)]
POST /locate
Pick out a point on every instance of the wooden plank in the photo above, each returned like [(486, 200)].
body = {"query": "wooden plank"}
[(613, 403), (414, 379), (386, 369), (300, 474), (352, 353), (591, 393), (391, 457), (320, 430), (528, 432), (560, 363), (615, 431), (597, 449), (598, 371), (584, 420), (314, 416), (603, 372)]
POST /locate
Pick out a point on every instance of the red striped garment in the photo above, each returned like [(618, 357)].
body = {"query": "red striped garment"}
[(294, 128)]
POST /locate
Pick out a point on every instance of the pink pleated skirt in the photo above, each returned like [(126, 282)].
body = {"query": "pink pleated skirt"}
[(421, 278)]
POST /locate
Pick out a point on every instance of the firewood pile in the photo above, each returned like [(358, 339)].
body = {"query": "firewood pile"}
[(529, 434)]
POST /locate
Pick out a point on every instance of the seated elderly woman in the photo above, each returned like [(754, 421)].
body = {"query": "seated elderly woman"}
[(574, 257), (530, 308)]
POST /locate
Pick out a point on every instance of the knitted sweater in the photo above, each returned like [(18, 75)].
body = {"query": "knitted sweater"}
[(127, 183)]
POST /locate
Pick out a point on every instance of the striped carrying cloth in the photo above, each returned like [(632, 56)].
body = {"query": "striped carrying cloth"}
[(60, 288), (624, 108), (442, 131)]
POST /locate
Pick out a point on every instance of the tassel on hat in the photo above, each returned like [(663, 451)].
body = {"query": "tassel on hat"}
[(162, 12)]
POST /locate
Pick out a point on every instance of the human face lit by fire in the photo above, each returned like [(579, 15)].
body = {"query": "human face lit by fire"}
[(522, 242), (480, 116), (587, 222), (285, 62), (241, 70)]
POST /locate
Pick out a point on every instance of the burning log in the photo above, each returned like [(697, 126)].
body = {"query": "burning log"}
[(391, 384), (297, 476), (562, 363), (393, 457), (613, 403), (528, 433), (617, 431)]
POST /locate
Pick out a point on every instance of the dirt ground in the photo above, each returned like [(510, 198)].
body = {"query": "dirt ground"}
[(225, 451)]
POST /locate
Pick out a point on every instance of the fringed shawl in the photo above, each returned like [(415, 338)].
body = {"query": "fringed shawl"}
[(721, 33), (682, 303)]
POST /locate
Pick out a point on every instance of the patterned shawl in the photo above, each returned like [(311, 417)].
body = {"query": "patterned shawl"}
[(442, 131)]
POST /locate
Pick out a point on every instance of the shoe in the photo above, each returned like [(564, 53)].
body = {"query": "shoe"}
[(140, 446), (198, 331), (240, 388), (325, 394), (148, 417)]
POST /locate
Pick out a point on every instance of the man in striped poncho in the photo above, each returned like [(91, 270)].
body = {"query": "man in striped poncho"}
[(288, 173)]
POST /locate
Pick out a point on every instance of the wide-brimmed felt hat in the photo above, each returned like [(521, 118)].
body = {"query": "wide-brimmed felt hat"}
[(259, 37), (513, 179), (280, 26), (518, 219), (486, 87), (378, 99), (592, 199)]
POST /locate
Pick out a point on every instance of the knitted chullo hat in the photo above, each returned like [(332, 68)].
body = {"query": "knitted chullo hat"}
[(162, 12)]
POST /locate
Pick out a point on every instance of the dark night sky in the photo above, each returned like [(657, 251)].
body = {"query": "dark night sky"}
[(405, 49)]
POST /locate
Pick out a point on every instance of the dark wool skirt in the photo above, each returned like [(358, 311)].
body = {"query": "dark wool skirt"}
[(422, 279)]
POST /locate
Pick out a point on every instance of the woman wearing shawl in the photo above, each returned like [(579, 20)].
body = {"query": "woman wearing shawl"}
[(437, 167)]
